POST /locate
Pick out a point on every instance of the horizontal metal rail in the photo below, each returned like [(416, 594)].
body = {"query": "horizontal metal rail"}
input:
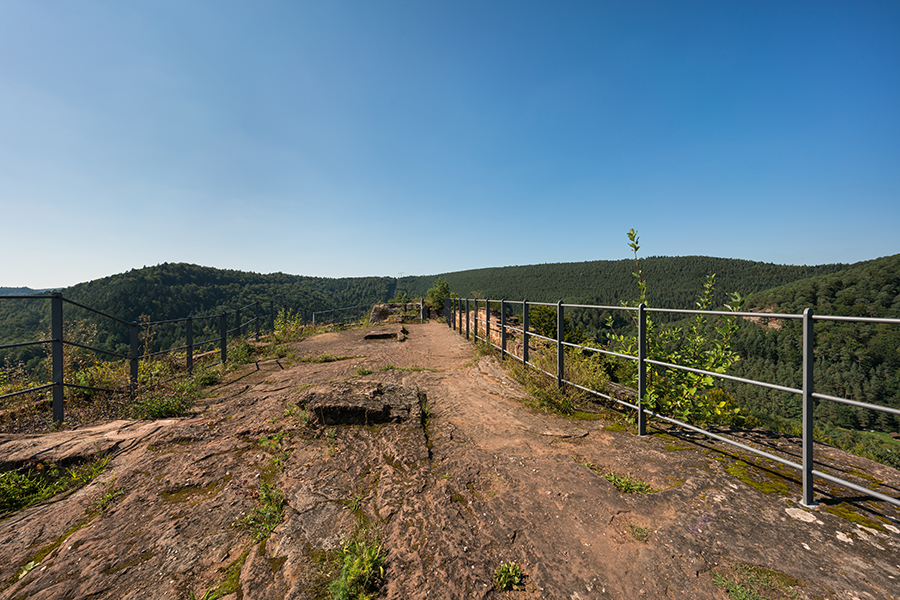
[(22, 344), (771, 386), (100, 350), (886, 409), (857, 319), (94, 310), (34, 389)]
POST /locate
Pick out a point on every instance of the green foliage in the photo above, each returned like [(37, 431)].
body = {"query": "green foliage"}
[(750, 582), (362, 569), (289, 326), (704, 345), (263, 519), (638, 532), (628, 484), (859, 361), (543, 320), (436, 295), (508, 576), (36, 482)]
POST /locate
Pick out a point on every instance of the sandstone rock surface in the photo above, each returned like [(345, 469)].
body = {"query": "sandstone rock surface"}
[(434, 450)]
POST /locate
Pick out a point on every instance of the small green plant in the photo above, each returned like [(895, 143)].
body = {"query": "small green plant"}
[(361, 371), (508, 576), (641, 534), (108, 496), (240, 352), (263, 519), (757, 583), (362, 569), (628, 484)]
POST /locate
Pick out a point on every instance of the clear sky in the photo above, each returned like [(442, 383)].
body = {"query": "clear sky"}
[(386, 138)]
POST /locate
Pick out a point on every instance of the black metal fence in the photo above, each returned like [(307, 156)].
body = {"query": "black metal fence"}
[(457, 314), (57, 341)]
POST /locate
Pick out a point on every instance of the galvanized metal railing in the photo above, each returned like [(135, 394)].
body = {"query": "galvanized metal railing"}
[(457, 310), (57, 341)]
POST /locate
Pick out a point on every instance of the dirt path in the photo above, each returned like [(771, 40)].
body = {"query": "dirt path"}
[(484, 481)]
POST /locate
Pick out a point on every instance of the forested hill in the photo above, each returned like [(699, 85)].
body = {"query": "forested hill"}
[(175, 290), (18, 291), (859, 361), (673, 282), (866, 289)]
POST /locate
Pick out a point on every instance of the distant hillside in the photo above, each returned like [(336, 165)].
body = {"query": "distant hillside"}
[(171, 291), (673, 282), (20, 291), (853, 360)]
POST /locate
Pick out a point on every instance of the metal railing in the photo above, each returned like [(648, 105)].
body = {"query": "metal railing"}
[(457, 314), (57, 342)]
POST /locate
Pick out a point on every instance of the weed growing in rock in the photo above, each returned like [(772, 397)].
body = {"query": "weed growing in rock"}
[(362, 569), (108, 496), (37, 482), (263, 519), (641, 534), (508, 576), (757, 583), (628, 484)]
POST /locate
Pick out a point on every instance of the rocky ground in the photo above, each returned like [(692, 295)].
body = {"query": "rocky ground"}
[(434, 453)]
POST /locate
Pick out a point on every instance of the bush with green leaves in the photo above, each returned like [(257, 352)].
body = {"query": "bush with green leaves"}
[(705, 344), (438, 293)]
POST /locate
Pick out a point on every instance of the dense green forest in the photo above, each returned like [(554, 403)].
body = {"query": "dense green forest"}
[(674, 280), (171, 291), (858, 361)]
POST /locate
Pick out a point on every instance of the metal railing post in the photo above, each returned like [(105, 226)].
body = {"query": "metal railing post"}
[(223, 336), (560, 332), (487, 320), (525, 334), (238, 318), (809, 407), (467, 319), (642, 369), (133, 376), (56, 324), (189, 342), (257, 320), (502, 329)]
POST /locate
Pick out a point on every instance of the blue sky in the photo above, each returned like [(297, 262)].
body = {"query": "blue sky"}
[(379, 137)]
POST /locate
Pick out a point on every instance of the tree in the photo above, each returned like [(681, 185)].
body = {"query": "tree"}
[(437, 294)]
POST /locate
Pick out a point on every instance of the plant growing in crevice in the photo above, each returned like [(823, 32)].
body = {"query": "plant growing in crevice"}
[(508, 576), (362, 568), (263, 519)]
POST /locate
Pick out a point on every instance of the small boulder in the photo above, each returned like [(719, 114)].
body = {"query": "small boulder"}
[(366, 403)]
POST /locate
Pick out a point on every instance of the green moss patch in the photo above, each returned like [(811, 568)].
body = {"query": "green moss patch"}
[(191, 491), (849, 513), (740, 470)]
